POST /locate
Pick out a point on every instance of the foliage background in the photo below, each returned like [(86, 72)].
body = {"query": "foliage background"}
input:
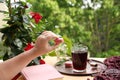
[(17, 32), (95, 24)]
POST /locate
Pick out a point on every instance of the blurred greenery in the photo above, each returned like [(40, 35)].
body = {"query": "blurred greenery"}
[(16, 33), (95, 23)]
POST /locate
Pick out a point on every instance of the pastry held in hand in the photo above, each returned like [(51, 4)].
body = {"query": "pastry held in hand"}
[(55, 41)]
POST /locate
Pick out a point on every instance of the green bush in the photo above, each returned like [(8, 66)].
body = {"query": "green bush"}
[(99, 29)]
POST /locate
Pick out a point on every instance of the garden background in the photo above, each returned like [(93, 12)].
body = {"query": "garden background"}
[(94, 23)]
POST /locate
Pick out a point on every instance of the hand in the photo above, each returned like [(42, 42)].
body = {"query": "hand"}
[(42, 45)]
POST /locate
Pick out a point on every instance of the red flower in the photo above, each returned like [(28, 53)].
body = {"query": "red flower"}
[(36, 16), (28, 47), (41, 61)]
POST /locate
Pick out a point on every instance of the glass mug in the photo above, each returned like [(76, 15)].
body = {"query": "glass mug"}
[(79, 57), (61, 52)]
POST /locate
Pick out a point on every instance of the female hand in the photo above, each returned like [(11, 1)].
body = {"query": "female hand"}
[(17, 63), (42, 45)]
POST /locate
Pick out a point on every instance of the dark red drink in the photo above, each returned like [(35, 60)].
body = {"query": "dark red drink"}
[(79, 59)]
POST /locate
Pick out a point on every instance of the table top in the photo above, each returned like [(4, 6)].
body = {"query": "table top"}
[(53, 60)]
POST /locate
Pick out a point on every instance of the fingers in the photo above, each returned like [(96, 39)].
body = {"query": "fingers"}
[(49, 35)]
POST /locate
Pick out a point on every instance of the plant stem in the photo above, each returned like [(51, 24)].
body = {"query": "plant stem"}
[(97, 34), (9, 8)]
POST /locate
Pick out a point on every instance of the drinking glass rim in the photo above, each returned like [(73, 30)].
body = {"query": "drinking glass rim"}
[(79, 47)]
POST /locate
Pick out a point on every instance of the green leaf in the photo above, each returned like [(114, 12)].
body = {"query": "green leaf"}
[(60, 62), (52, 53), (36, 61), (6, 56), (68, 42)]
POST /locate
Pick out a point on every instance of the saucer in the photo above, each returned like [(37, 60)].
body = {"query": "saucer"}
[(90, 70)]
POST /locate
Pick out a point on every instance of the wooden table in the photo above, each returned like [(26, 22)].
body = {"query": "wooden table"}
[(53, 60)]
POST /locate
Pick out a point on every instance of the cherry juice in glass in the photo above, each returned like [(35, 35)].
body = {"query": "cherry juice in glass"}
[(79, 60)]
